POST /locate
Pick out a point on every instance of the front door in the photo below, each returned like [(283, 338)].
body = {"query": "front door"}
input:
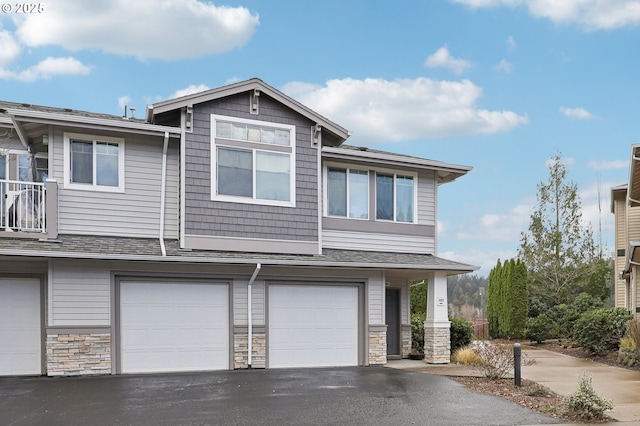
[(392, 307)]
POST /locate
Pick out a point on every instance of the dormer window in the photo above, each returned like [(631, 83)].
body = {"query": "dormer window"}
[(252, 161)]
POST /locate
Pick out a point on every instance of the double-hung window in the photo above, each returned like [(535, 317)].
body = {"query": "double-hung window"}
[(395, 196), (348, 193), (95, 163), (252, 161)]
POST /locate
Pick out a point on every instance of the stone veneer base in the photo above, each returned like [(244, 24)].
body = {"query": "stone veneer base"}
[(377, 347), (241, 350), (78, 354), (437, 345)]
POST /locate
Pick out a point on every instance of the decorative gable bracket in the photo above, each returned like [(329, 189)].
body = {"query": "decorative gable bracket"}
[(254, 105)]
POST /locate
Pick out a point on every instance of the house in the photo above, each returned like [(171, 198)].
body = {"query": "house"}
[(625, 205), (228, 229)]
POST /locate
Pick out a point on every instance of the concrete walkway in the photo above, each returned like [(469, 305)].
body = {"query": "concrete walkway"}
[(561, 374)]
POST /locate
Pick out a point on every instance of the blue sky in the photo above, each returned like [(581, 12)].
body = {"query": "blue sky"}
[(500, 85)]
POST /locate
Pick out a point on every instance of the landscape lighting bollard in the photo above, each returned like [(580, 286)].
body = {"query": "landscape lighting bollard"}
[(517, 356)]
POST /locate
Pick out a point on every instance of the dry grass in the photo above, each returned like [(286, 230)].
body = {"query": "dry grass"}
[(627, 344), (466, 356)]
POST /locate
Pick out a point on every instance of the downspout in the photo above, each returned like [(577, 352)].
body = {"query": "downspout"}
[(163, 188), (250, 315)]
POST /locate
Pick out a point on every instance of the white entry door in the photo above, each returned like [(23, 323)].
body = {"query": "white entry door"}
[(313, 326), (20, 327), (173, 327)]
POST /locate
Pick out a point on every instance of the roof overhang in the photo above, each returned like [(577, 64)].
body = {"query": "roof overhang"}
[(242, 87), (446, 172), (15, 116), (618, 193)]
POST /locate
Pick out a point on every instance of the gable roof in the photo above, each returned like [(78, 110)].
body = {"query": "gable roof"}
[(246, 86), (446, 172)]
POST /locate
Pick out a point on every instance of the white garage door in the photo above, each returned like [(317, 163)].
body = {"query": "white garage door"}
[(173, 327), (20, 327), (313, 326)]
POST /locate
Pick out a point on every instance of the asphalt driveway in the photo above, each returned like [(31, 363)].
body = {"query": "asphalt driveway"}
[(362, 395)]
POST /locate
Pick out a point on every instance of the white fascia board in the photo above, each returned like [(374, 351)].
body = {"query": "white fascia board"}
[(92, 122), (393, 159)]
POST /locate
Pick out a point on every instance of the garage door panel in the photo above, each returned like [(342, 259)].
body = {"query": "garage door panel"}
[(313, 325), (174, 327), (20, 327)]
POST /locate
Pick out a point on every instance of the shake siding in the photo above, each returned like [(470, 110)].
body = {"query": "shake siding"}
[(204, 217), (80, 294), (134, 213)]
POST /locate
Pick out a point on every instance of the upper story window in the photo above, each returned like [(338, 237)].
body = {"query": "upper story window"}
[(252, 161), (395, 196), (348, 193), (94, 163), (354, 193), (25, 171)]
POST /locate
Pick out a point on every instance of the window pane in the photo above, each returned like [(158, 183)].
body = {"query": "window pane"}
[(81, 162), (253, 134), (235, 172), (3, 167), (384, 197), (107, 164), (268, 135), (223, 129), (337, 192), (273, 176), (404, 199), (42, 169), (240, 131), (282, 137), (358, 194), (24, 171)]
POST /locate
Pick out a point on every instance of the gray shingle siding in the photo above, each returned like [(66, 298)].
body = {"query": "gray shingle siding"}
[(205, 217)]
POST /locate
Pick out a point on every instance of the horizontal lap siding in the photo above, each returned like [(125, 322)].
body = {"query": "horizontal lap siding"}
[(240, 302), (134, 213), (427, 192), (376, 304), (205, 217), (80, 294), (378, 242), (621, 244)]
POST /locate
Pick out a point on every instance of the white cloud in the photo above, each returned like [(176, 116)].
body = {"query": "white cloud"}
[(146, 29), (485, 258), (377, 110), (442, 58), (608, 165), (123, 101), (47, 69), (590, 14), (9, 48), (505, 226), (577, 113), (192, 88), (511, 44), (504, 66)]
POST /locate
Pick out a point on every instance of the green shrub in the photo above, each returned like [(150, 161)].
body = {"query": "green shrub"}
[(586, 403), (567, 315), (600, 330), (540, 328), (461, 333), (417, 332)]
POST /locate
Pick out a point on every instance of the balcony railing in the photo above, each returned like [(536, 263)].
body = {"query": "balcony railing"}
[(22, 206)]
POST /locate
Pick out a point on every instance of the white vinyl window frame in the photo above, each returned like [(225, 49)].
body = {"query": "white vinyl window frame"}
[(254, 147), (396, 175), (94, 139), (349, 207), (373, 172)]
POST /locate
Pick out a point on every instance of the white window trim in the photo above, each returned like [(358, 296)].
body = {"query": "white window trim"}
[(373, 171), (325, 179), (253, 147), (92, 186)]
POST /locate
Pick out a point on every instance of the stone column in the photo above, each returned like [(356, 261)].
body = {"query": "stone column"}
[(437, 343)]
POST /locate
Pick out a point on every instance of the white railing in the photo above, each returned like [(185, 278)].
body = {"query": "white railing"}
[(22, 206)]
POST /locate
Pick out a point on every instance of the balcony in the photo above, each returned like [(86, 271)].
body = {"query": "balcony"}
[(23, 206)]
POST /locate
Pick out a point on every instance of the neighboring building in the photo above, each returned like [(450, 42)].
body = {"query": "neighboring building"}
[(625, 205), (228, 229)]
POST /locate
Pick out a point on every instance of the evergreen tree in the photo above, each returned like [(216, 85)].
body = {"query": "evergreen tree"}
[(558, 250)]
